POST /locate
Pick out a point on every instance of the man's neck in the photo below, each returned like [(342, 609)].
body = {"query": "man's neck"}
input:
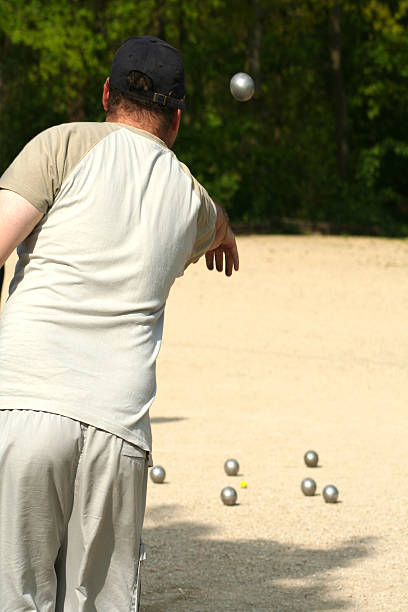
[(140, 125)]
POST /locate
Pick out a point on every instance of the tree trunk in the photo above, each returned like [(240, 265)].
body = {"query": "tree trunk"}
[(255, 44), (182, 27), (75, 107), (160, 19), (339, 94)]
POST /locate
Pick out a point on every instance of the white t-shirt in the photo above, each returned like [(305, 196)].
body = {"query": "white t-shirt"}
[(82, 327)]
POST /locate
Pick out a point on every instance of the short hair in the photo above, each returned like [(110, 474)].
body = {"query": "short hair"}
[(144, 109)]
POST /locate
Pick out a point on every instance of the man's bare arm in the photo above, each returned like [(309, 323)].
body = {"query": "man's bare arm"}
[(223, 248), (17, 219)]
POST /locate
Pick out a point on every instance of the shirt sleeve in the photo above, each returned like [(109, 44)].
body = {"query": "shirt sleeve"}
[(34, 174), (206, 218), (205, 225)]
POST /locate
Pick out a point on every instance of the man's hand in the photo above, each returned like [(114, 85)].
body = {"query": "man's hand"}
[(223, 248)]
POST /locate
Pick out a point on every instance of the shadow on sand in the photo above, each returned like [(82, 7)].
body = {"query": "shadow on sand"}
[(166, 419), (187, 570)]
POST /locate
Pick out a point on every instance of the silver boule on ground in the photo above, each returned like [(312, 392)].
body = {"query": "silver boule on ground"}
[(242, 86), (158, 474), (308, 486), (311, 458), (231, 467), (229, 496), (330, 494)]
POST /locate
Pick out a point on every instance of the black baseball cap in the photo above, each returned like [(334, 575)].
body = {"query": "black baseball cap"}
[(156, 59)]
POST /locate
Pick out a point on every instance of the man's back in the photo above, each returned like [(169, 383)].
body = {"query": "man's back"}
[(87, 302)]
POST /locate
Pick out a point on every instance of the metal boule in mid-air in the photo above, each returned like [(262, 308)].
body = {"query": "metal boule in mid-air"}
[(157, 474), (311, 458), (229, 496), (231, 467), (242, 86), (330, 494), (308, 486)]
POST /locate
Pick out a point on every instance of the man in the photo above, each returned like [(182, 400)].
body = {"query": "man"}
[(106, 218)]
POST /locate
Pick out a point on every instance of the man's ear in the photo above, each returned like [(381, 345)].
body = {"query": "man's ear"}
[(105, 94), (177, 119), (176, 122)]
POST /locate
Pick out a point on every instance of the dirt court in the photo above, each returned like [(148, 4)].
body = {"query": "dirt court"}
[(305, 348)]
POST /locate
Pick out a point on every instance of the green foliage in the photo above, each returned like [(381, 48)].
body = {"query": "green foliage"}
[(272, 158)]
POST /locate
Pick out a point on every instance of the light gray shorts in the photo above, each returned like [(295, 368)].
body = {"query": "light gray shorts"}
[(72, 501)]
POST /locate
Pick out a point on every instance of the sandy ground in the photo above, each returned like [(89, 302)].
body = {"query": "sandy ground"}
[(305, 348)]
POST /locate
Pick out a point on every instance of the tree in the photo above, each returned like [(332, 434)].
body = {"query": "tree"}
[(324, 138), (339, 94)]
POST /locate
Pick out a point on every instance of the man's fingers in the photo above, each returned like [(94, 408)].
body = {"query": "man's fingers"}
[(226, 257), (209, 259), (235, 257), (229, 262), (219, 259)]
